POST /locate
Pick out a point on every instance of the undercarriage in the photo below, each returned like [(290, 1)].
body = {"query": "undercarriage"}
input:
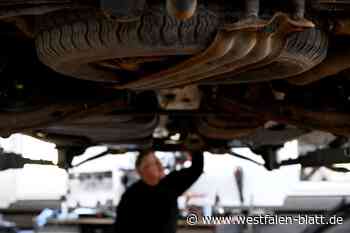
[(138, 74)]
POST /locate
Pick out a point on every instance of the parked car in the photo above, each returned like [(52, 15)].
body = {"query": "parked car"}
[(142, 73)]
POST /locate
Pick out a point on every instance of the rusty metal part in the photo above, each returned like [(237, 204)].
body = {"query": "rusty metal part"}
[(237, 47), (130, 64), (113, 64), (181, 9), (241, 123), (221, 46), (13, 11), (298, 56), (123, 10), (217, 128), (13, 122), (269, 49), (186, 98), (341, 27), (328, 121), (106, 128), (263, 136), (324, 120), (81, 124), (337, 61)]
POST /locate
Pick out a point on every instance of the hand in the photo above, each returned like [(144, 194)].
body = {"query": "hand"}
[(194, 143)]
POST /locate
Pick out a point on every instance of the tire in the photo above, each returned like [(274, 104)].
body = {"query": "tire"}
[(30, 2), (331, 6), (70, 42), (16, 8), (303, 51)]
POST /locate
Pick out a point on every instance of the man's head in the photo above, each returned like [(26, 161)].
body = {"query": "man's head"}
[(149, 167)]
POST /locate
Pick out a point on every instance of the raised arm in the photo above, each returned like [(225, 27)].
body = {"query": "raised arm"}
[(180, 181)]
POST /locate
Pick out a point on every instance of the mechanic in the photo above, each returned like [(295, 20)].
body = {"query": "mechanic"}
[(150, 205)]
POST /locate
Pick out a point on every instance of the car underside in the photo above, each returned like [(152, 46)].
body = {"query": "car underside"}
[(134, 74)]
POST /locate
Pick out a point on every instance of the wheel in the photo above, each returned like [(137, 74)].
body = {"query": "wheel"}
[(331, 6), (76, 43), (21, 2), (303, 51)]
